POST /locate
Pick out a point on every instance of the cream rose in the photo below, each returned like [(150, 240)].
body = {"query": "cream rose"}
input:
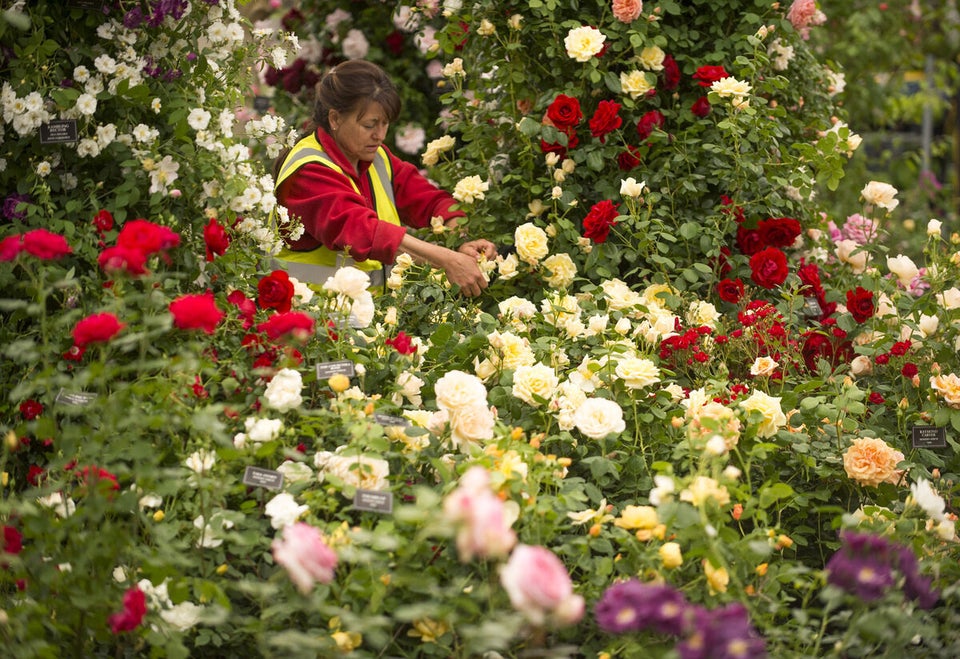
[(631, 189), (948, 386), (560, 270), (431, 155), (880, 194), (618, 294), (635, 83), (531, 242), (471, 424), (535, 384), (348, 281), (470, 189), (651, 58), (598, 418), (850, 252), (904, 268), (457, 390), (584, 42), (763, 366), (769, 407), (950, 298), (359, 471), (637, 372)]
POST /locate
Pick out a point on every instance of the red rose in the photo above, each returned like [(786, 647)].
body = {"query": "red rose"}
[(216, 239), (737, 211), (701, 107), (103, 221), (629, 159), (900, 348), (98, 479), (134, 609), (818, 346), (275, 291), (860, 304), (749, 240), (881, 359), (597, 223), (707, 75), (730, 290), (909, 370), (648, 122), (146, 236), (671, 73), (779, 231), (245, 306), (809, 274), (31, 409), (98, 328), (12, 541), (605, 120), (559, 149), (122, 259), (45, 245), (768, 267), (294, 323), (10, 247), (564, 112), (875, 398), (402, 344), (394, 42), (197, 311)]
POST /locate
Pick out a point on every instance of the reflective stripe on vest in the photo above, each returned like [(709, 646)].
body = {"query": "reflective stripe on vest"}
[(308, 150)]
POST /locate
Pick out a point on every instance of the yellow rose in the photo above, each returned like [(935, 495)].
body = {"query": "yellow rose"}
[(717, 577), (559, 270), (651, 58), (635, 83), (469, 189), (637, 517), (670, 555), (637, 372), (531, 242), (531, 383), (769, 407), (703, 488)]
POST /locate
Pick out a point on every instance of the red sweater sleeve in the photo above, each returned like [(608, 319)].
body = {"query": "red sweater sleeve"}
[(336, 216)]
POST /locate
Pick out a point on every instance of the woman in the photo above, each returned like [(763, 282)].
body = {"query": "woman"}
[(353, 195)]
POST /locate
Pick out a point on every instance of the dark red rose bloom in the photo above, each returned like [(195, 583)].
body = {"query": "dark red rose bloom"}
[(722, 263), (671, 73), (605, 120), (35, 475), (768, 267), (12, 541), (275, 291), (216, 239), (245, 306), (707, 75), (122, 259), (564, 112), (559, 149), (881, 359), (860, 304), (45, 245), (198, 389), (146, 236), (103, 221), (900, 348), (779, 231), (402, 343), (292, 20), (809, 274), (394, 42), (648, 122), (730, 290), (817, 346), (196, 311), (909, 370), (876, 398), (134, 609), (10, 247), (700, 107), (597, 223), (31, 409), (749, 240), (74, 354), (629, 159), (737, 211), (97, 328), (292, 323)]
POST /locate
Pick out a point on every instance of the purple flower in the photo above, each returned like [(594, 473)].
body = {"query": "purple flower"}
[(634, 606), (10, 206), (133, 18), (724, 633)]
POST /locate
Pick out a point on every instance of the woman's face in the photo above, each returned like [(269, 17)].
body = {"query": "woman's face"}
[(360, 134)]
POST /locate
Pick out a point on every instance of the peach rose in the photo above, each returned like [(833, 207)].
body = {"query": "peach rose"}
[(871, 461)]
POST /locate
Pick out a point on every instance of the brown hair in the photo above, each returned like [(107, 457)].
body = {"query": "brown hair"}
[(350, 86)]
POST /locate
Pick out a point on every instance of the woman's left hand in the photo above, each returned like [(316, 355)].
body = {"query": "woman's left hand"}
[(477, 247)]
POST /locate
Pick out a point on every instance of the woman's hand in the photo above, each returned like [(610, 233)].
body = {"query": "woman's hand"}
[(462, 269), (478, 247)]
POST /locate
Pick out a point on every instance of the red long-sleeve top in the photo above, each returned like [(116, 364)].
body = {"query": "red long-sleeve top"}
[(334, 215)]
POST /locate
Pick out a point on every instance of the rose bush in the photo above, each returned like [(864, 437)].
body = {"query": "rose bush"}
[(635, 446)]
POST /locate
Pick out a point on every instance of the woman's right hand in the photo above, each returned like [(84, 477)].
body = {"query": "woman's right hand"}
[(463, 270)]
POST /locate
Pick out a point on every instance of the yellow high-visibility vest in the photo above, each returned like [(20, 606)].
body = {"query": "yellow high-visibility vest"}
[(317, 264)]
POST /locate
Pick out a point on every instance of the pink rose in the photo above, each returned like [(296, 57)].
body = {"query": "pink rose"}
[(627, 11), (539, 586), (305, 555), (483, 522)]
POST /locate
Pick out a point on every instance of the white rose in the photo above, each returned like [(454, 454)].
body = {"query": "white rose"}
[(355, 45), (408, 386), (182, 616), (295, 472), (283, 391), (362, 472), (880, 194), (531, 242), (598, 417), (201, 461), (469, 189), (630, 188), (583, 42), (950, 298), (263, 430), (861, 365), (363, 309), (934, 227), (283, 510), (349, 281), (928, 325)]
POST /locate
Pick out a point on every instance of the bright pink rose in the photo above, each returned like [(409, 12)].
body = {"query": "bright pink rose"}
[(627, 11), (122, 259), (134, 609), (10, 247), (198, 311), (45, 245), (539, 586), (103, 221), (97, 328), (305, 556)]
